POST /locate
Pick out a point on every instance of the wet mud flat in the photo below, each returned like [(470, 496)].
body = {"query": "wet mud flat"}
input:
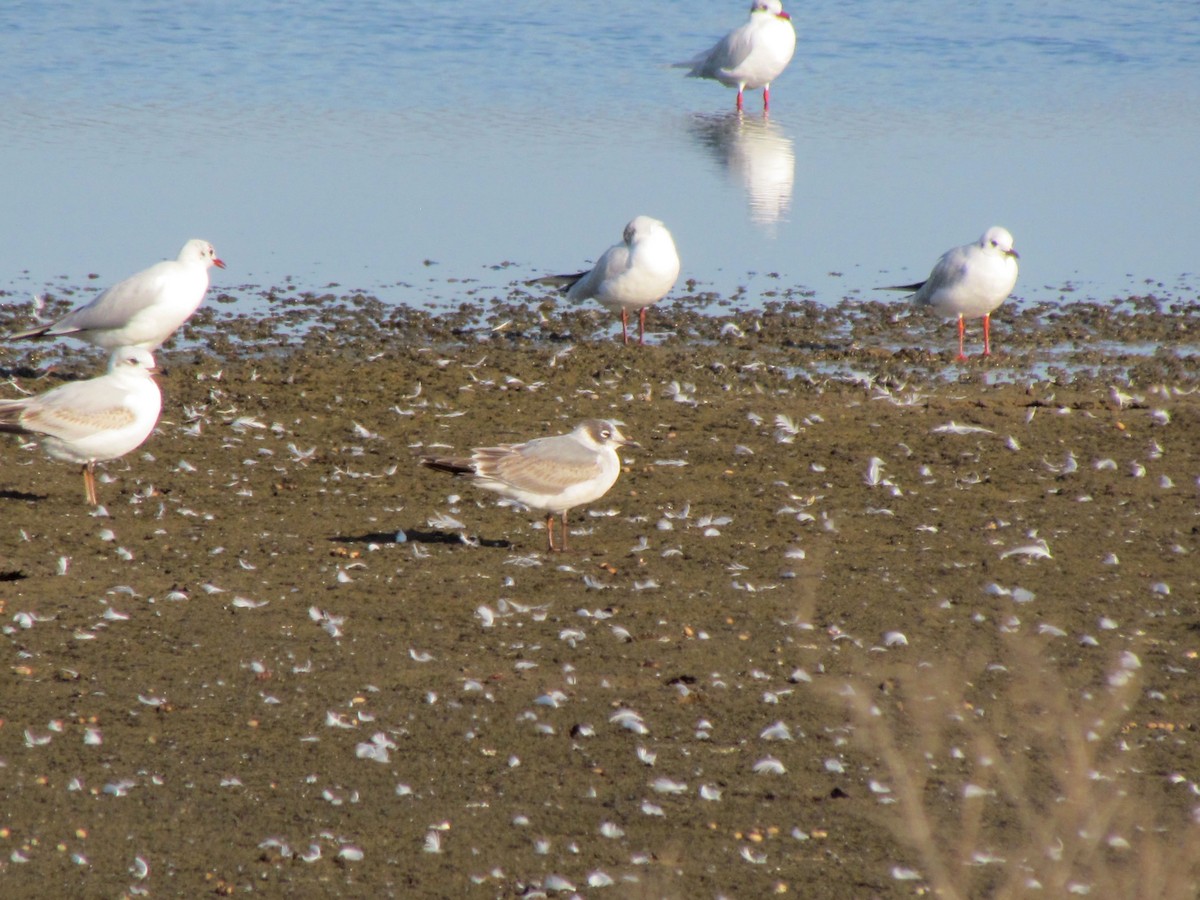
[(858, 621)]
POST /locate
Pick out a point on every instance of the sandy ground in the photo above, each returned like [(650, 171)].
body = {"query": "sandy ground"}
[(858, 621)]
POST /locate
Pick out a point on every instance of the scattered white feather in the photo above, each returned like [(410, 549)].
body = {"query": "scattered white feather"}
[(666, 785), (777, 732), (444, 522), (769, 765), (1040, 550), (750, 855), (874, 475), (955, 428), (629, 720), (611, 830)]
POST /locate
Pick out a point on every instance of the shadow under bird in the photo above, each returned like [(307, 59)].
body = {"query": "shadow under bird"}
[(752, 55), (631, 275), (970, 281), (143, 310), (85, 422), (552, 474)]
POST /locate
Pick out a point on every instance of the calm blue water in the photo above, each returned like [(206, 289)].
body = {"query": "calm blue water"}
[(354, 143)]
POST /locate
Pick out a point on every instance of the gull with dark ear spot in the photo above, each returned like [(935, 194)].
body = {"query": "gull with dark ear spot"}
[(969, 282), (752, 55), (86, 422), (631, 275), (553, 474), (143, 310)]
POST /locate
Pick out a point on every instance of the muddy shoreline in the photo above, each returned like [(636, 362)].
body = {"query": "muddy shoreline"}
[(285, 660)]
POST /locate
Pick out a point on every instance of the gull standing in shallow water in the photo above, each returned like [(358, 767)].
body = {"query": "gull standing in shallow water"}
[(85, 422), (553, 474), (751, 56), (970, 281), (634, 274), (143, 310)]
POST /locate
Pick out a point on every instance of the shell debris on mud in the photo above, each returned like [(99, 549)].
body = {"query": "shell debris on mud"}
[(848, 588)]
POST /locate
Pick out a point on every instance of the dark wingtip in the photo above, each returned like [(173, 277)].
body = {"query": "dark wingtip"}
[(452, 466), (31, 333), (561, 282), (902, 287)]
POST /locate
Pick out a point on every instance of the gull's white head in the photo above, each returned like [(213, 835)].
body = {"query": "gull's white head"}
[(132, 359), (998, 240), (197, 250), (772, 7), (641, 227)]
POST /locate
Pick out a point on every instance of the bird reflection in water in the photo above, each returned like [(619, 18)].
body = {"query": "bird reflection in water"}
[(756, 153)]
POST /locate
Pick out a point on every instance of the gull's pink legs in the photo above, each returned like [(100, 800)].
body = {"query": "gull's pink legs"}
[(550, 532)]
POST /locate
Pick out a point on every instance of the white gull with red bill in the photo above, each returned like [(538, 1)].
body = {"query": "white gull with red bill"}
[(970, 281), (752, 55), (143, 310), (629, 276)]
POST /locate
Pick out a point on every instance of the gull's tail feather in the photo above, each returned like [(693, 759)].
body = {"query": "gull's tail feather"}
[(10, 417)]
